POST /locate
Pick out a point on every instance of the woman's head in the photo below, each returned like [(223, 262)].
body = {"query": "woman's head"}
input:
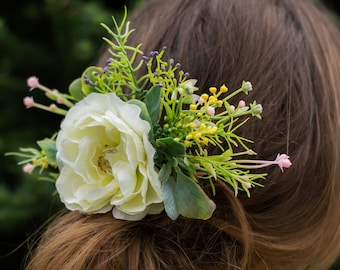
[(290, 51)]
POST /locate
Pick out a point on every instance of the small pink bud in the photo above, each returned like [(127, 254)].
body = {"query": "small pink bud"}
[(282, 160), (247, 185), (241, 104), (33, 82), (211, 111), (28, 102), (28, 168), (197, 123), (232, 108), (250, 152), (60, 100), (200, 100), (53, 107)]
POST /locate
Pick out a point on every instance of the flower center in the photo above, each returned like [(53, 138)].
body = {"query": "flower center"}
[(103, 163)]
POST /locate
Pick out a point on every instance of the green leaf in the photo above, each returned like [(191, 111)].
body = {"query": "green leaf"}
[(75, 90), (191, 201), (189, 99), (170, 146), (168, 191), (152, 102), (165, 172), (186, 165), (49, 147), (91, 73)]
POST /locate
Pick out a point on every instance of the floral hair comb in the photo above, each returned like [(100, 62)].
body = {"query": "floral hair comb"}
[(138, 145)]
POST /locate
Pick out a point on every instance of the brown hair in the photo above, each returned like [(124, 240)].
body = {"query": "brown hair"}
[(290, 51)]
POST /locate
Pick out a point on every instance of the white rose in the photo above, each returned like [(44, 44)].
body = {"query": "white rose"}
[(106, 160)]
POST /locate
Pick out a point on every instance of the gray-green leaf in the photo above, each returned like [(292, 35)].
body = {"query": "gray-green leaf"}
[(165, 172), (75, 90), (152, 102), (171, 146), (168, 191), (191, 201)]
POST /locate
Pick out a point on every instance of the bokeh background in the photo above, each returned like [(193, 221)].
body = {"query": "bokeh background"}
[(54, 40)]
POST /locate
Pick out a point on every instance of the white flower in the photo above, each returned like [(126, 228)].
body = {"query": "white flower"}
[(189, 86), (106, 160)]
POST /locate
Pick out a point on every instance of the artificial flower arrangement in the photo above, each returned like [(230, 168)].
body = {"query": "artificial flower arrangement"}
[(141, 151)]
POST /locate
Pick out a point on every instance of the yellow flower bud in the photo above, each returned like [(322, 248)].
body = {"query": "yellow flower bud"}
[(212, 100), (205, 97), (213, 90), (203, 126), (192, 125), (197, 136), (223, 89), (205, 141), (186, 143), (211, 130), (44, 164), (193, 107)]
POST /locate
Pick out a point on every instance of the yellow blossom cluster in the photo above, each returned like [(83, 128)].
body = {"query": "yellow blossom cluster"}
[(195, 126)]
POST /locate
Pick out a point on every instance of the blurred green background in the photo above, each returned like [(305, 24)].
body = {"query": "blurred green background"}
[(54, 40)]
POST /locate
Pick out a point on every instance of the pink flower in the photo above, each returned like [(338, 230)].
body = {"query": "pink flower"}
[(241, 104), (29, 102), (60, 100), (33, 82), (247, 185), (53, 107), (282, 160), (211, 111), (28, 168)]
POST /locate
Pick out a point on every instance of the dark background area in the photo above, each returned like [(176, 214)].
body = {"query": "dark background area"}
[(54, 40)]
